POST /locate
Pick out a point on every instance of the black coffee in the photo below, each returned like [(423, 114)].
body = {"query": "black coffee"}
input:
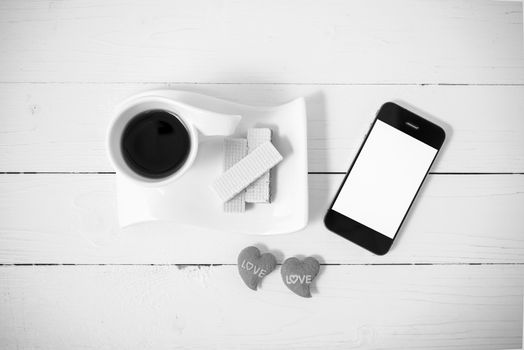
[(155, 144)]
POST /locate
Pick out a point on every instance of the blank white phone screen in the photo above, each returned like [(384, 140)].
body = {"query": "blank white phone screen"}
[(384, 179)]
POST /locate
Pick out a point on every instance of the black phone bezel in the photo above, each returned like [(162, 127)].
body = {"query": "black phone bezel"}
[(411, 124)]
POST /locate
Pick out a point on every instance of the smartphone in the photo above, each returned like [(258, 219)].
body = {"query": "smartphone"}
[(384, 179)]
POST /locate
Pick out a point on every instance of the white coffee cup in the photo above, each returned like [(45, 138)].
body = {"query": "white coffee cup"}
[(196, 121)]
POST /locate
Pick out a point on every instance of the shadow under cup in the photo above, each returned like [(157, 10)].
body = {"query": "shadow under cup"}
[(155, 144)]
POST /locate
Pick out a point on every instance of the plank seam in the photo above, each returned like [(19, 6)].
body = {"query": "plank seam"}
[(252, 83), (220, 264), (310, 173)]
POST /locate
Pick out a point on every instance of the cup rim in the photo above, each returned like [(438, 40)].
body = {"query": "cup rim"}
[(125, 112)]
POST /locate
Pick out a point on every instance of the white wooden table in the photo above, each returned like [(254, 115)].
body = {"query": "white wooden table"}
[(71, 279)]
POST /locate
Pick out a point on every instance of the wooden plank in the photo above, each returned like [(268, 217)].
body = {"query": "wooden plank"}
[(333, 41), (72, 219), (166, 307), (62, 127)]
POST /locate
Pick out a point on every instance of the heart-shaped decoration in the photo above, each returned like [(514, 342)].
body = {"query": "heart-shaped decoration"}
[(298, 275), (253, 266)]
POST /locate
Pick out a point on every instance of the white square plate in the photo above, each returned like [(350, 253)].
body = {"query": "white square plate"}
[(190, 200)]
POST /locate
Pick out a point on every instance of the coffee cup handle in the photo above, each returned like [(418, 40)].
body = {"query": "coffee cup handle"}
[(211, 123)]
